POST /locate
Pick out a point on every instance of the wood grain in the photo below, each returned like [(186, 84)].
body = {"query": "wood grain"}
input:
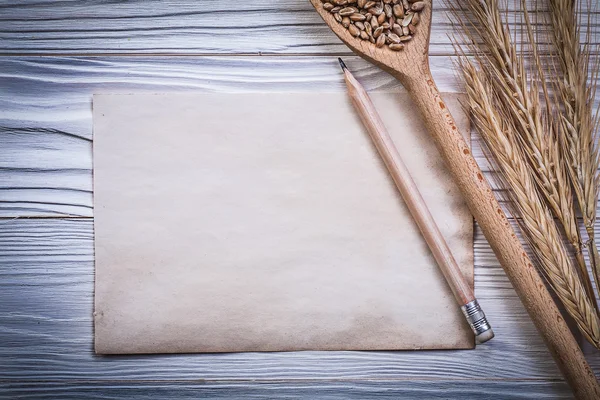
[(46, 282), (46, 265), (46, 117), (182, 27), (328, 390)]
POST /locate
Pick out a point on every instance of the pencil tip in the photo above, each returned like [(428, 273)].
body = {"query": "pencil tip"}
[(342, 64)]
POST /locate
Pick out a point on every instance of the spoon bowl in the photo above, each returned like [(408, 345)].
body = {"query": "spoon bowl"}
[(411, 62)]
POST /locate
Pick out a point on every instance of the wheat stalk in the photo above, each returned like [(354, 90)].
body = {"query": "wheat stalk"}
[(519, 95), (497, 128), (578, 123), (522, 137)]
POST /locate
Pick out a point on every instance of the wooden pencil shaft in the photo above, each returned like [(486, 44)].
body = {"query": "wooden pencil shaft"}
[(409, 191)]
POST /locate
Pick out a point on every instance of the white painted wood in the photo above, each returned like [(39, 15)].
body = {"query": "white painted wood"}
[(46, 118), (46, 284), (311, 389), (46, 264), (182, 27)]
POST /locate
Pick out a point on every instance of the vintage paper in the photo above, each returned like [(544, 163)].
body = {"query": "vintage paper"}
[(267, 222)]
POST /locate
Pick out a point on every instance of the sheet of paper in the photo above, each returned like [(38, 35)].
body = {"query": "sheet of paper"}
[(267, 222)]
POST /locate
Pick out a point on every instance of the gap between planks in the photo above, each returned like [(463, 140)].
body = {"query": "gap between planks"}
[(50, 54), (271, 381)]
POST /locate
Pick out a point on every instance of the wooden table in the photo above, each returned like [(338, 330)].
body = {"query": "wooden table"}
[(53, 57)]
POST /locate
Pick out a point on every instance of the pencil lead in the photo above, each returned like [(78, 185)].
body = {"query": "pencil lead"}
[(342, 64)]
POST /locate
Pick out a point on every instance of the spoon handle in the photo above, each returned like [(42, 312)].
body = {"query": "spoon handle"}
[(503, 240)]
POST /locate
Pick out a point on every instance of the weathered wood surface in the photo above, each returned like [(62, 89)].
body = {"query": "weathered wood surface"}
[(46, 260), (46, 119), (182, 27), (327, 390), (46, 284)]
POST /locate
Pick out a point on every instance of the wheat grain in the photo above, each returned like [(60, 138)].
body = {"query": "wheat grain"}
[(368, 20)]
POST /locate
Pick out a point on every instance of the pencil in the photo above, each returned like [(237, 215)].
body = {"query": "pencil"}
[(414, 201)]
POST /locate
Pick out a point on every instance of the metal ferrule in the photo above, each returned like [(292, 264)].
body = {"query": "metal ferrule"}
[(475, 317)]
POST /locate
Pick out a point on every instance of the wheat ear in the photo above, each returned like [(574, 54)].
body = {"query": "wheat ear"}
[(497, 129), (518, 92), (579, 120)]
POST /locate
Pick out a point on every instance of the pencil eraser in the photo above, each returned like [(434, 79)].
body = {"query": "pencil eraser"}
[(484, 336)]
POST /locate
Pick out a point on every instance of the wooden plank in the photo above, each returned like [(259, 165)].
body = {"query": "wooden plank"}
[(184, 27), (339, 390), (56, 92), (46, 331), (46, 119)]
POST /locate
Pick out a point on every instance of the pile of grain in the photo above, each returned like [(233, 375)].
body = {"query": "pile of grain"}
[(387, 22)]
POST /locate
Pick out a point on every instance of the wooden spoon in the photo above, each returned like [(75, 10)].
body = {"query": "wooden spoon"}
[(411, 67)]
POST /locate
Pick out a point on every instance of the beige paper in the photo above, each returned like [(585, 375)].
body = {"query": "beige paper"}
[(266, 222)]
